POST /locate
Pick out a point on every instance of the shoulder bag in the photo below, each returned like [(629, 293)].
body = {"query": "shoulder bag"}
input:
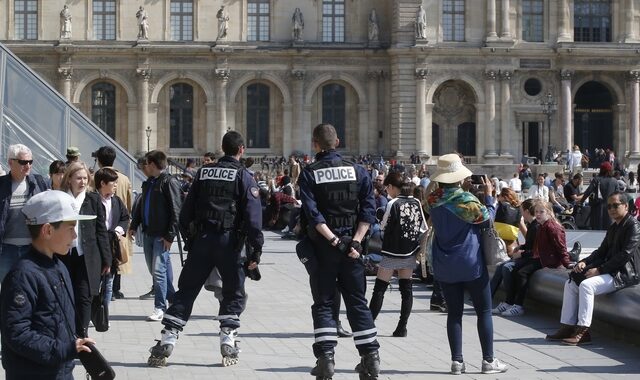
[(493, 248), (99, 308)]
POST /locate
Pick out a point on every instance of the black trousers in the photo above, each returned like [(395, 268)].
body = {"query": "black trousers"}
[(520, 275), (336, 270), (81, 292), (210, 250)]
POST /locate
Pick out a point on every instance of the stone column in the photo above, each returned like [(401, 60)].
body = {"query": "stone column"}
[(490, 106), (565, 111), (211, 143), (66, 73), (629, 34), (144, 75), (287, 146), (297, 129), (421, 111), (634, 110), (363, 129), (564, 16), (427, 138), (506, 29), (505, 115), (491, 20), (373, 110), (222, 79)]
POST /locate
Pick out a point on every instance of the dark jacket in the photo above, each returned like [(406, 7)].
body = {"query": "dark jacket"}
[(36, 185), (402, 223), (620, 245), (95, 241), (551, 245), (37, 342), (164, 207), (119, 214)]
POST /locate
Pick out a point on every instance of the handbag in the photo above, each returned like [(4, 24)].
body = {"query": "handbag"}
[(100, 309), (493, 248), (94, 362)]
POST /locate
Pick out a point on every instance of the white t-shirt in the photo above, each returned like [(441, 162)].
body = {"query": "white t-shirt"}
[(515, 184)]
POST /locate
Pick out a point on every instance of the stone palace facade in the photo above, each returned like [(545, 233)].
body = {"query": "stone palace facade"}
[(395, 77)]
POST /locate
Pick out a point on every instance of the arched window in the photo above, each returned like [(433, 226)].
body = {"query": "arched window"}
[(257, 116), (103, 107), (592, 21), (467, 139), (181, 116), (334, 109)]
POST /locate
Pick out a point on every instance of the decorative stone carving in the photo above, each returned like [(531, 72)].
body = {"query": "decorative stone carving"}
[(633, 76), (373, 75), (374, 26), (490, 74), (505, 75), (65, 73), (103, 73), (144, 74), (566, 74), (298, 74), (143, 24), (223, 23), (298, 25), (422, 74), (421, 24), (222, 74), (65, 23)]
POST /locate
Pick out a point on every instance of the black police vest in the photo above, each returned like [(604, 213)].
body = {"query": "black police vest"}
[(217, 204), (336, 191)]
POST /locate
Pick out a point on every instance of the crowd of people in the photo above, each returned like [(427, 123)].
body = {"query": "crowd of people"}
[(75, 228)]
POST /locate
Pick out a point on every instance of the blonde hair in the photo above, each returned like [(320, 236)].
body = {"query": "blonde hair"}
[(547, 206), (72, 169)]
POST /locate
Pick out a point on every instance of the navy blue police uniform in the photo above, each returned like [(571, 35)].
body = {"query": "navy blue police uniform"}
[(339, 194), (222, 206)]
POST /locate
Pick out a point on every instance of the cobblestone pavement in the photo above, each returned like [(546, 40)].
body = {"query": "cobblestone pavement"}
[(276, 335)]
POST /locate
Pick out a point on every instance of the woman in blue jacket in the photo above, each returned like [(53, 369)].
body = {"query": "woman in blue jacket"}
[(458, 261)]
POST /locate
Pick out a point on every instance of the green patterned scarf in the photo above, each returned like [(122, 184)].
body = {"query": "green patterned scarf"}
[(461, 203)]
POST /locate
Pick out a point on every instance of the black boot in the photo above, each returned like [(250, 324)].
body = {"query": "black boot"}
[(325, 366), (342, 333), (406, 292), (574, 254), (438, 302), (378, 296)]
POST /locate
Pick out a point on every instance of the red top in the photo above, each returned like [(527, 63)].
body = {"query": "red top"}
[(550, 245)]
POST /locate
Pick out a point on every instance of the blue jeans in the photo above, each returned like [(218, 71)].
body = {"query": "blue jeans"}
[(502, 274), (481, 297), (159, 264), (108, 289), (9, 256)]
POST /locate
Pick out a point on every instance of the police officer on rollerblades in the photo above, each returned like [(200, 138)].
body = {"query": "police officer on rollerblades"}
[(338, 204), (222, 206)]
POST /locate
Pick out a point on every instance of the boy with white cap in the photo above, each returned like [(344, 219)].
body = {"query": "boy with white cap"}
[(36, 303)]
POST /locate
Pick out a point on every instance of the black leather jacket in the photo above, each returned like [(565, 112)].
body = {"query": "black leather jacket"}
[(620, 246), (164, 207)]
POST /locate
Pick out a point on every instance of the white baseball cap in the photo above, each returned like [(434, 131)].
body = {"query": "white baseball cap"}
[(52, 206)]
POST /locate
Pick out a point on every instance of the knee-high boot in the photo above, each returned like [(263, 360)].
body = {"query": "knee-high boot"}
[(406, 292), (378, 296)]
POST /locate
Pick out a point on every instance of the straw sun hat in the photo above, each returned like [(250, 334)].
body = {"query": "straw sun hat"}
[(450, 169)]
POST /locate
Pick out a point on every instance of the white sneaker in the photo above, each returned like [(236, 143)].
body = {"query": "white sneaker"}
[(285, 230), (494, 367), (513, 311), (156, 316), (501, 308), (458, 368)]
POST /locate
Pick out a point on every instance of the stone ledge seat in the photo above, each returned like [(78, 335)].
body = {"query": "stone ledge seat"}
[(620, 310)]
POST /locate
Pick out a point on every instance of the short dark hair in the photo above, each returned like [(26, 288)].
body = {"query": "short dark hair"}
[(622, 197), (158, 158), (248, 163), (325, 136), (211, 155), (577, 176), (57, 167), (231, 143), (104, 175), (106, 155), (34, 229), (398, 180)]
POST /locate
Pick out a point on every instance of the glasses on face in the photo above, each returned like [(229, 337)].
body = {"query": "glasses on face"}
[(611, 206), (23, 162)]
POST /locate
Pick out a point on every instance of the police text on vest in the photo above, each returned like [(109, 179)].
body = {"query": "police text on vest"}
[(222, 174), (335, 174)]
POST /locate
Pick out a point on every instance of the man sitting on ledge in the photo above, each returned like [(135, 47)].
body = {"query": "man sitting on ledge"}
[(611, 267)]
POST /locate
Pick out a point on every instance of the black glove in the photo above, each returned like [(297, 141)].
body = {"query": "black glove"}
[(253, 274), (344, 244), (255, 255), (357, 246)]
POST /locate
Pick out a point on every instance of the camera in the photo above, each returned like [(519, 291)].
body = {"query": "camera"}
[(94, 154)]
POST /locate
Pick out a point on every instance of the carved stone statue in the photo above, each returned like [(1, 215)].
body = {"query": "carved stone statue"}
[(65, 23), (374, 28), (421, 24), (298, 24), (223, 23), (143, 24)]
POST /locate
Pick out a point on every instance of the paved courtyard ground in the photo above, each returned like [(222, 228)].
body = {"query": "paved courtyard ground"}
[(276, 334)]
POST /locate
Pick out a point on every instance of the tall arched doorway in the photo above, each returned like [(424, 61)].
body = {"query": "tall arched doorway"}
[(593, 117), (454, 113)]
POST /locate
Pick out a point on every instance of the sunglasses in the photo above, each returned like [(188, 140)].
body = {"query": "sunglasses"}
[(23, 162), (614, 205)]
